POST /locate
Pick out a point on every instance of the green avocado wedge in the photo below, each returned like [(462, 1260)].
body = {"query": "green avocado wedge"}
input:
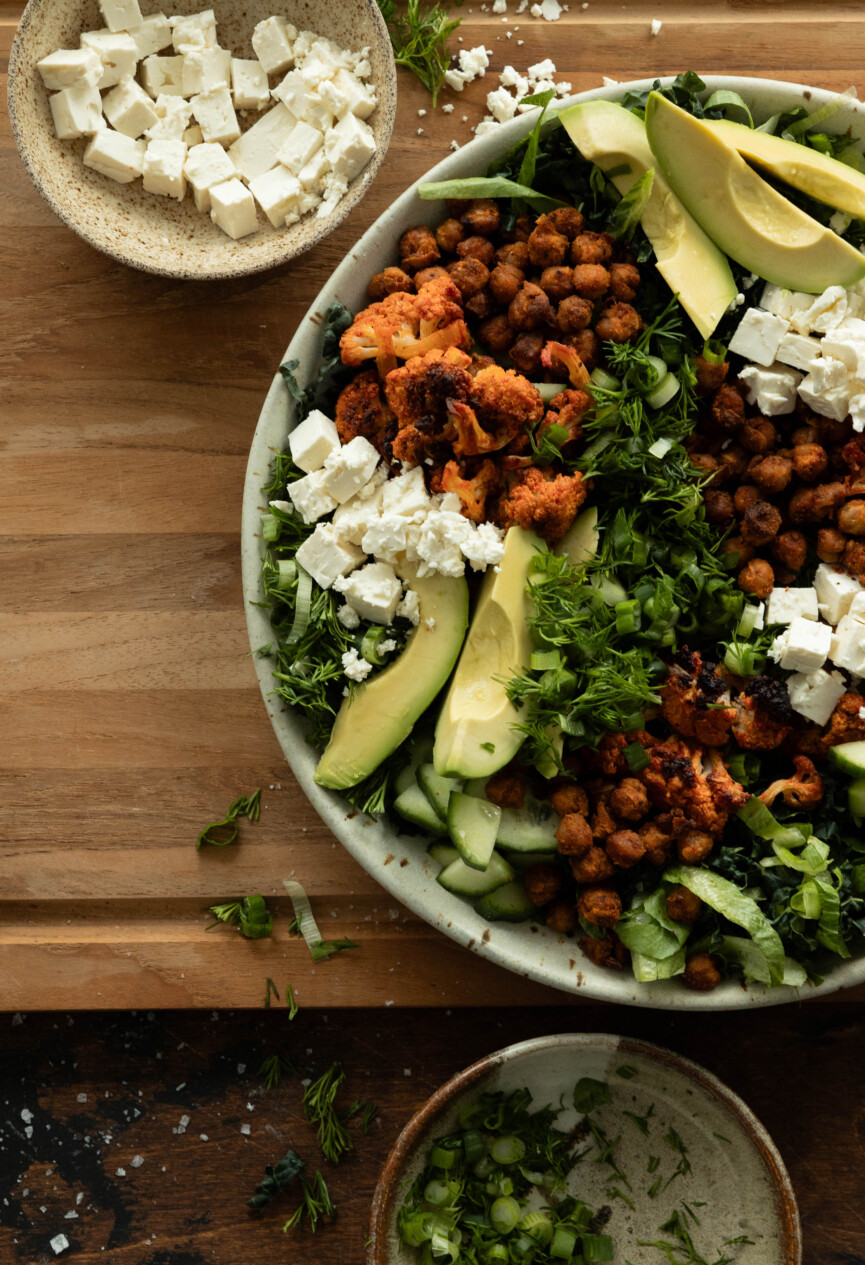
[(475, 734), (816, 174), (692, 265), (751, 222), (378, 715)]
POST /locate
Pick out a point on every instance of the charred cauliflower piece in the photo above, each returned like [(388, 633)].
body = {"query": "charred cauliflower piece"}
[(695, 700), (543, 502), (362, 410), (406, 325), (692, 785), (472, 492), (803, 790), (419, 394), (845, 725), (501, 404), (567, 409), (764, 715), (560, 357)]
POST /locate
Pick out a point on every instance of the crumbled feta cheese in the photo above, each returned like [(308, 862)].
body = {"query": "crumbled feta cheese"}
[(447, 109), (501, 105), (541, 70), (117, 54), (786, 604), (58, 1244), (439, 543), (857, 412), (549, 10), (826, 388), (758, 336), (115, 155), (406, 495), (162, 76), (355, 668), (409, 607), (374, 591), (312, 442), (826, 311), (194, 30), (348, 616), (348, 468), (804, 647), (172, 120), (815, 694), (500, 6), (325, 556), (385, 537), (484, 546), (772, 390), (655, 26), (232, 208)]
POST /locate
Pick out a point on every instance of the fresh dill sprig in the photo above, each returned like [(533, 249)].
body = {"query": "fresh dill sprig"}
[(363, 1107), (248, 806), (250, 916), (317, 1205), (274, 1067), (278, 1178), (419, 38), (319, 1107), (270, 991), (682, 1251)]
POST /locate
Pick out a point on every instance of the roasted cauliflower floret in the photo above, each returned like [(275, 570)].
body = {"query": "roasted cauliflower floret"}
[(472, 492), (802, 790), (362, 410), (693, 786), (501, 404), (567, 409), (406, 325), (695, 700), (543, 502), (845, 725), (564, 359), (764, 715)]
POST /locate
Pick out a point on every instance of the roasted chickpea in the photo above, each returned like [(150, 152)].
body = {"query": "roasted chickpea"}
[(573, 314), (709, 375), (758, 435), (426, 275), (591, 281), (854, 559), (830, 545), (629, 800), (496, 335), (547, 248), (739, 546), (477, 248), (566, 220), (625, 848), (543, 883), (624, 282), (456, 206), (728, 408), (593, 866), (469, 276), (505, 282), (482, 217), (733, 462), (832, 432), (807, 434), (694, 847), (757, 578), (557, 282), (744, 497), (761, 522), (449, 234), (569, 799), (562, 917), (418, 248), (601, 906), (657, 842), (772, 473), (522, 230), (574, 835), (481, 305), (810, 505), (791, 550), (530, 308), (719, 508), (619, 322), (515, 255), (810, 462), (701, 973), (391, 281), (704, 462), (507, 788), (591, 248), (683, 906), (851, 518), (525, 352)]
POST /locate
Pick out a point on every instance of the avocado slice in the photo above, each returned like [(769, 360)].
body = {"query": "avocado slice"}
[(692, 265), (580, 541), (378, 715), (476, 710), (816, 174), (745, 216)]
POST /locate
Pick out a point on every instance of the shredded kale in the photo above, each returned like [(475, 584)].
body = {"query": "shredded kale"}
[(332, 373)]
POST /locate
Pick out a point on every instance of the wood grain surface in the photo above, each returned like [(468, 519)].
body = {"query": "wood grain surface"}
[(129, 714)]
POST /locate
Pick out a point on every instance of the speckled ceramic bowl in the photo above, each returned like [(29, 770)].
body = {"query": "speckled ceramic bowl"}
[(736, 1171), (156, 233), (526, 948)]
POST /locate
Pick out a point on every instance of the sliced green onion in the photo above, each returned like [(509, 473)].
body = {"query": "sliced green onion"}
[(417, 1228), (714, 351), (852, 157), (286, 573), (628, 616), (508, 1150), (636, 756), (604, 380), (496, 1252), (505, 1214), (501, 1186), (443, 1157), (483, 1168), (270, 528), (742, 659), (748, 622), (545, 660), (597, 1247), (825, 112), (524, 1247), (549, 390), (302, 606), (660, 447), (663, 392), (744, 766), (726, 97), (563, 1244), (436, 1193), (473, 1146), (537, 1226), (660, 368), (319, 949), (370, 646)]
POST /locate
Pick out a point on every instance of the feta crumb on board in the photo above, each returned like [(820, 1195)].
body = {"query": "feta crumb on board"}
[(310, 147)]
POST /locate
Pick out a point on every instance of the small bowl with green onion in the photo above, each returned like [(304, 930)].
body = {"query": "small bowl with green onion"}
[(584, 1147)]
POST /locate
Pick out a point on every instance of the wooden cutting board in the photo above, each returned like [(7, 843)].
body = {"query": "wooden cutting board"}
[(129, 714)]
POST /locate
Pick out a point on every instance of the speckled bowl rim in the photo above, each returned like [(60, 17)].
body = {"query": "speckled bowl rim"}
[(388, 1187), (538, 955), (387, 99)]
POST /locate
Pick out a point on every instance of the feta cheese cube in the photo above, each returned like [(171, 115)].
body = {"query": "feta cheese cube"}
[(205, 166), (826, 389), (312, 174), (232, 208), (163, 76), (303, 142), (278, 193), (249, 86), (779, 301), (407, 495), (354, 517), (291, 91), (163, 169), (348, 468), (326, 557), (374, 591), (172, 119), (255, 152), (772, 390), (115, 155), (803, 647), (193, 136), (120, 15), (798, 350), (215, 115), (310, 497), (385, 537), (194, 30), (76, 111), (69, 68), (316, 112), (206, 70), (345, 94), (273, 44), (128, 108), (312, 442), (152, 35), (117, 53), (835, 592), (349, 146), (815, 695), (844, 347), (785, 605), (826, 311), (847, 647), (758, 336)]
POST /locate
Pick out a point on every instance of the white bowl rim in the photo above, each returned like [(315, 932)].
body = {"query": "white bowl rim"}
[(371, 843)]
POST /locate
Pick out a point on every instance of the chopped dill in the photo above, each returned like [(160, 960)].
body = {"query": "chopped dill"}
[(316, 1205), (319, 1107), (250, 916), (419, 38), (273, 1068)]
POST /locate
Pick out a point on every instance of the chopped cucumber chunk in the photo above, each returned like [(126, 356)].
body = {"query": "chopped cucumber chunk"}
[(472, 824), (413, 805), (443, 853), (856, 799), (849, 756), (528, 829), (437, 789), (508, 903), (421, 753), (465, 881)]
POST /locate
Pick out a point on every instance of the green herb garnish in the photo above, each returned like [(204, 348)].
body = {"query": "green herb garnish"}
[(248, 806), (316, 1206), (419, 39), (250, 916), (319, 1107), (273, 1068)]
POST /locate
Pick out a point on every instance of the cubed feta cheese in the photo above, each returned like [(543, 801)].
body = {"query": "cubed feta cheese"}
[(77, 111), (152, 35), (310, 497), (325, 556), (278, 193), (115, 155), (273, 44), (291, 91), (311, 174), (826, 311), (117, 53), (193, 136), (303, 142), (785, 604), (345, 94), (814, 695), (249, 86), (385, 537), (349, 467), (827, 389), (798, 350), (847, 647), (316, 112), (232, 208), (206, 70), (772, 390), (758, 336), (128, 108), (215, 115), (172, 121), (120, 15), (803, 647), (407, 495), (207, 165), (69, 68), (312, 442), (349, 146), (845, 346), (163, 76), (257, 148), (163, 169), (835, 592), (374, 591), (193, 30), (777, 300), (354, 517)]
